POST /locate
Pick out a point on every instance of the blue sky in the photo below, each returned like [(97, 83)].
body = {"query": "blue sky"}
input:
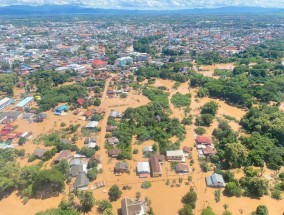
[(151, 4)]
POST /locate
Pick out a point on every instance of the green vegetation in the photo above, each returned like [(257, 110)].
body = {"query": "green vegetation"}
[(200, 130), (52, 97), (254, 186), (180, 100), (9, 171), (45, 80), (186, 210), (58, 211), (104, 205), (87, 200), (209, 108), (146, 185), (114, 193), (208, 112), (170, 71), (261, 210), (233, 189), (267, 134), (217, 194), (221, 72), (143, 44), (190, 198), (7, 83), (158, 96), (208, 211), (246, 85), (148, 122)]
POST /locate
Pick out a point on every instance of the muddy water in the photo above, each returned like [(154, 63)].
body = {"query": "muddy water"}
[(208, 70), (166, 200)]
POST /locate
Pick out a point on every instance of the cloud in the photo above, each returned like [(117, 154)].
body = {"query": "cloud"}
[(151, 4)]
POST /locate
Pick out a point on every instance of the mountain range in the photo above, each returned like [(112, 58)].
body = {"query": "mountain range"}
[(74, 9)]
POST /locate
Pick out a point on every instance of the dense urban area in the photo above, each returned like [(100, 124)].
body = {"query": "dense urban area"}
[(156, 114)]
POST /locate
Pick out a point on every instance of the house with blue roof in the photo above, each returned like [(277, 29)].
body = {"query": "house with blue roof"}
[(215, 180), (61, 109)]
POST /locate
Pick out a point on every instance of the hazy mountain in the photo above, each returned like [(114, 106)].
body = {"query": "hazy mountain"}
[(151, 4), (73, 9)]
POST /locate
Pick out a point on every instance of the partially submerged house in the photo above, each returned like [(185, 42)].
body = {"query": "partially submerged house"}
[(113, 153), (92, 125), (111, 128), (112, 140), (64, 155), (38, 153), (81, 182), (76, 170), (181, 169), (28, 101), (186, 150), (121, 167), (215, 180), (209, 151), (203, 140), (91, 142), (60, 110), (9, 117), (175, 155), (155, 164), (133, 207), (143, 169), (115, 114)]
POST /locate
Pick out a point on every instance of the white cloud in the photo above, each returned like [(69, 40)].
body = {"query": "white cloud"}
[(151, 4)]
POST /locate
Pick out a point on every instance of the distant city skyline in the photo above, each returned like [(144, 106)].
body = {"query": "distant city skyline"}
[(151, 4)]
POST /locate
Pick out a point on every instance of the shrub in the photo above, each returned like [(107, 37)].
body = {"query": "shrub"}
[(200, 130), (146, 185)]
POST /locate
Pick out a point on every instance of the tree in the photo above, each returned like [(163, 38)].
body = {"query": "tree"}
[(210, 108), (58, 211), (208, 211), (114, 193), (233, 189), (190, 198), (87, 200), (235, 154), (48, 182), (108, 211), (261, 210), (186, 210), (255, 187), (22, 141), (200, 130), (104, 205), (204, 120), (63, 167), (138, 195), (92, 174), (226, 212)]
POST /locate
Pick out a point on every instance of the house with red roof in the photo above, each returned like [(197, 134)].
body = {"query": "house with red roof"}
[(7, 129), (203, 140), (97, 64), (80, 101)]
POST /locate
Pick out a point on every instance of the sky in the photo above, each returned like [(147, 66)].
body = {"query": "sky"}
[(151, 4)]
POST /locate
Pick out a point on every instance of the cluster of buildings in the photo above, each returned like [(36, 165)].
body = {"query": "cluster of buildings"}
[(81, 45)]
